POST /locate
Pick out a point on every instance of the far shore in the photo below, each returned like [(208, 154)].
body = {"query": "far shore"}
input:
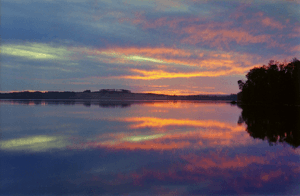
[(111, 95)]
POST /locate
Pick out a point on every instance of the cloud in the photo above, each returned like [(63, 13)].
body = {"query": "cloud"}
[(269, 176), (140, 54), (160, 74), (295, 32), (36, 51), (124, 63), (140, 40), (171, 6), (151, 51), (296, 48), (272, 23), (178, 89), (167, 62), (221, 37), (169, 55), (242, 28), (142, 137)]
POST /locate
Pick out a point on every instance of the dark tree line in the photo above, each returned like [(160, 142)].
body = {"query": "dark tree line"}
[(276, 83), (38, 95), (273, 124)]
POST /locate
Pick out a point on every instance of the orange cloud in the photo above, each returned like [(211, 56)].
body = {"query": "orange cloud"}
[(158, 86), (172, 56), (160, 74), (159, 55), (204, 63)]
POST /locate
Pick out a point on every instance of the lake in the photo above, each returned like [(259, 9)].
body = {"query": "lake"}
[(148, 148)]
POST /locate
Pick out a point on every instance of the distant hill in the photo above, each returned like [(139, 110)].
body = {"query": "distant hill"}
[(110, 94)]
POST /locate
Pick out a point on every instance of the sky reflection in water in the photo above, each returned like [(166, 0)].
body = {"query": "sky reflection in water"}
[(153, 148)]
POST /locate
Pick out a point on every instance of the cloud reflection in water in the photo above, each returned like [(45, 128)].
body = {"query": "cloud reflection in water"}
[(168, 134), (192, 149), (35, 143)]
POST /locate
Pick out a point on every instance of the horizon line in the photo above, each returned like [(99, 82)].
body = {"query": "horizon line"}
[(143, 92)]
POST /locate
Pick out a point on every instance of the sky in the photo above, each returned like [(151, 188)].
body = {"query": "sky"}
[(158, 46)]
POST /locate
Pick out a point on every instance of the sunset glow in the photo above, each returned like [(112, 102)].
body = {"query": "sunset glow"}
[(149, 97), (160, 74), (137, 44), (181, 92)]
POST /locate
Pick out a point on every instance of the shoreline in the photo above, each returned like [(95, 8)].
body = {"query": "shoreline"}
[(111, 96), (114, 100)]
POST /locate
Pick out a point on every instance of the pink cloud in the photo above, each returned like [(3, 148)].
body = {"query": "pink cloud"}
[(295, 33), (220, 37), (269, 22), (195, 30), (296, 48)]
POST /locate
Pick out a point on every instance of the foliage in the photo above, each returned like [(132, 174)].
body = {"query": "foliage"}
[(278, 124), (277, 83)]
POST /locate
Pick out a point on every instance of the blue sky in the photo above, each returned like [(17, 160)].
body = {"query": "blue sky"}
[(162, 46)]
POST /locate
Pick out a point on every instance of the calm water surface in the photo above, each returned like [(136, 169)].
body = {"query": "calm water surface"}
[(153, 148)]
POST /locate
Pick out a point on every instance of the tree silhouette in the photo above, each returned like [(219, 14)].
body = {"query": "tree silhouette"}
[(274, 124), (277, 83)]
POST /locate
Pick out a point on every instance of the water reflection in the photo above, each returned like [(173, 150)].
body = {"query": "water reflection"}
[(274, 124), (104, 104), (219, 173), (112, 104), (35, 143), (189, 149), (168, 134)]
